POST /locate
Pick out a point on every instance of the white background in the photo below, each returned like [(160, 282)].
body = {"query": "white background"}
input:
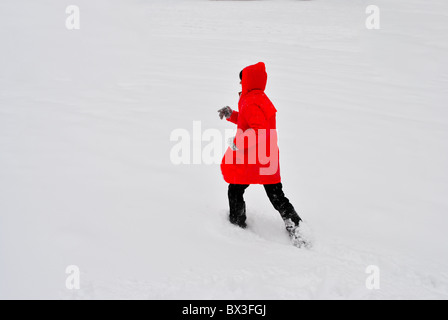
[(86, 178)]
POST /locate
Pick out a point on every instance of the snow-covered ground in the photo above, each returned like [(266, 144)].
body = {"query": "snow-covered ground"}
[(85, 171)]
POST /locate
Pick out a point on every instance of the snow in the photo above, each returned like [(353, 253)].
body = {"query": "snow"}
[(85, 171)]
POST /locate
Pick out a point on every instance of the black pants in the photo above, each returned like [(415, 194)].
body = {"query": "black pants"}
[(275, 195)]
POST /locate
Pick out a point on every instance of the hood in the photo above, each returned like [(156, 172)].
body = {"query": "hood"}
[(254, 78)]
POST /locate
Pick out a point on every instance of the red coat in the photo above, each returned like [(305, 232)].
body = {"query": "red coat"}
[(257, 160)]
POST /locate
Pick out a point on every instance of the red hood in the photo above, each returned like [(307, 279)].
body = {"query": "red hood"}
[(254, 78)]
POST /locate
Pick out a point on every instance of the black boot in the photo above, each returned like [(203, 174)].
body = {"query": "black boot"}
[(296, 235), (281, 203), (239, 218), (287, 212), (292, 220), (237, 205)]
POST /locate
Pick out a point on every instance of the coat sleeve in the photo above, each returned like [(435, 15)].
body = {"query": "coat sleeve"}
[(255, 117), (256, 120), (234, 117)]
